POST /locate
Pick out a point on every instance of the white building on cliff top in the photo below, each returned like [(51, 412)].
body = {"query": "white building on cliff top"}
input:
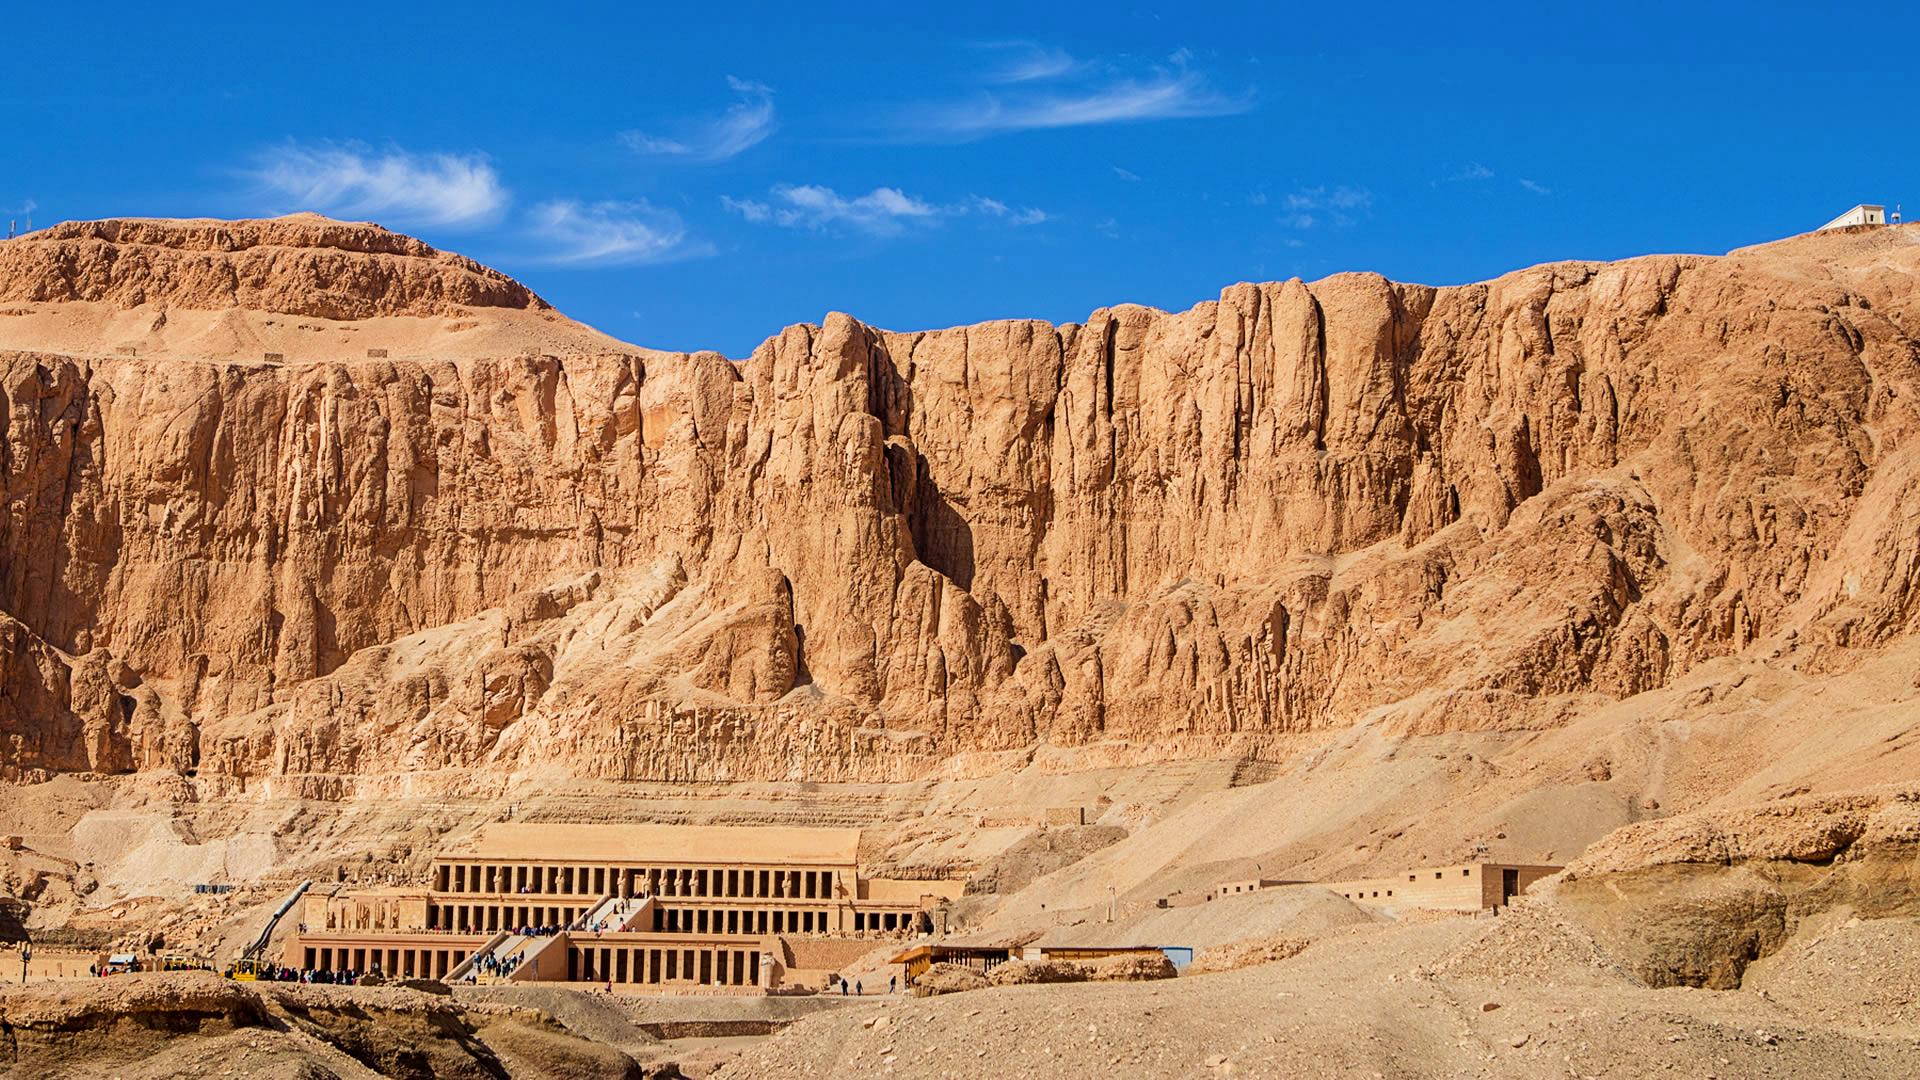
[(1864, 214)]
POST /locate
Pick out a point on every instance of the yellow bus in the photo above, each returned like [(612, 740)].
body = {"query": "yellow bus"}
[(248, 970)]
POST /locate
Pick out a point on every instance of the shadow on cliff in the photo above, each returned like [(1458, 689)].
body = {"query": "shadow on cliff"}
[(802, 675), (941, 536)]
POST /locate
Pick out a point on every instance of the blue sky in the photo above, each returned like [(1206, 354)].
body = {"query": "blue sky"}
[(688, 181)]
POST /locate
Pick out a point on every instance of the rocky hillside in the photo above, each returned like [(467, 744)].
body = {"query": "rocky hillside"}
[(300, 265), (383, 513)]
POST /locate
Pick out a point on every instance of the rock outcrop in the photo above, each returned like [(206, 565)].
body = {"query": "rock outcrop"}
[(862, 554), (945, 978), (299, 265), (1239, 954), (1028, 972), (193, 1023), (1693, 900)]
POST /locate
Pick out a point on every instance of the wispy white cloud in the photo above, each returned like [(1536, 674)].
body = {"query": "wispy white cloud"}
[(1535, 187), (1030, 62), (352, 180), (610, 233), (1471, 173), (1126, 174), (1160, 97), (1342, 198), (1048, 88), (1320, 205), (743, 126), (884, 211), (980, 204)]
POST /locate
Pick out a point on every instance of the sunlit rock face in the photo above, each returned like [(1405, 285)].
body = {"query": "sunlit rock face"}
[(308, 500)]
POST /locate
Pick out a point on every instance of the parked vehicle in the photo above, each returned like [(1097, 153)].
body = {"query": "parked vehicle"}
[(121, 964)]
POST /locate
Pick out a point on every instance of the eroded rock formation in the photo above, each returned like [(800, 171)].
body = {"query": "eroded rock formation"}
[(1693, 900), (867, 554)]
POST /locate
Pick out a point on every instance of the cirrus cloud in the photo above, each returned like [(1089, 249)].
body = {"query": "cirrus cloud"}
[(353, 180), (1030, 62), (610, 233), (884, 211), (742, 127), (1317, 205), (1047, 88)]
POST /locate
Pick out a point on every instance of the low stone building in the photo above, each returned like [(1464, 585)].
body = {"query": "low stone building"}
[(1463, 887), (1467, 887), (1234, 888)]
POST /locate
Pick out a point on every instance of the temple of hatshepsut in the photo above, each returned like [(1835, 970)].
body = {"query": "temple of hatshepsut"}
[(670, 907)]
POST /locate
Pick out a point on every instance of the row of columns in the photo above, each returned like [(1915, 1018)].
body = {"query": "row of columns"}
[(557, 879), (731, 920), (482, 918), (883, 920), (702, 966), (487, 918), (405, 962)]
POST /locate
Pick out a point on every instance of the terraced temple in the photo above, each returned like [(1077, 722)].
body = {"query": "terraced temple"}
[(663, 905)]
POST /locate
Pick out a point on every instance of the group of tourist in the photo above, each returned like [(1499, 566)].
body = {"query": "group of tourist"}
[(600, 927), (493, 965), (308, 975), (854, 987)]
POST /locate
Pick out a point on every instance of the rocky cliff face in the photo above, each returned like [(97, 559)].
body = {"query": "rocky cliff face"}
[(867, 554), (299, 265)]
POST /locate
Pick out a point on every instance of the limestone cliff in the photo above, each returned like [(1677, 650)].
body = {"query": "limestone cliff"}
[(868, 554)]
